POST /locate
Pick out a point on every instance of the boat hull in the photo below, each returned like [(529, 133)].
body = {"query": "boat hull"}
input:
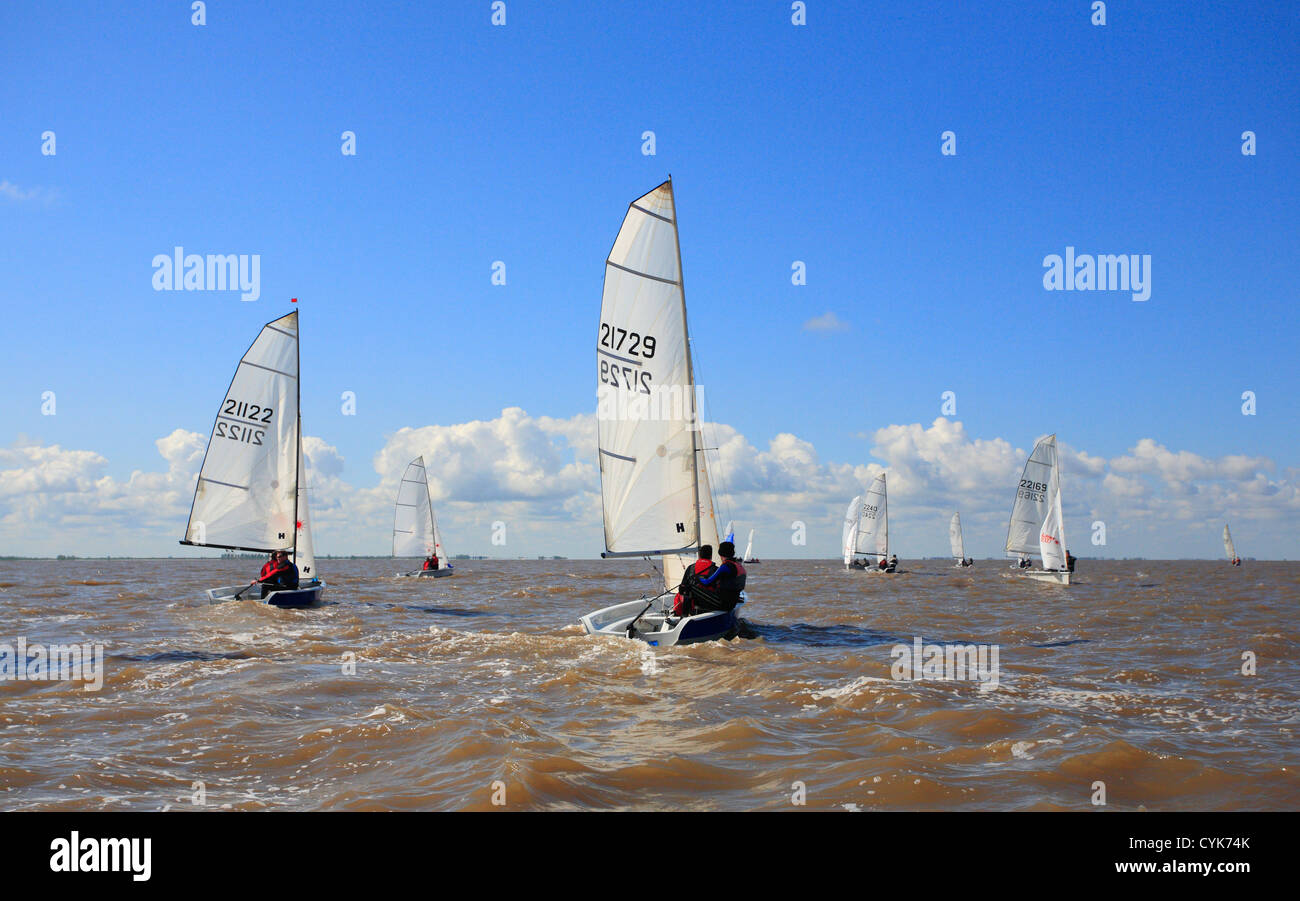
[(428, 573), (307, 595), (657, 627), (1046, 575), (872, 568)]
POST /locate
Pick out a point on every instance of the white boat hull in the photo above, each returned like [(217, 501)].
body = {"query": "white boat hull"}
[(656, 626), (307, 594), (1046, 575), (428, 573)]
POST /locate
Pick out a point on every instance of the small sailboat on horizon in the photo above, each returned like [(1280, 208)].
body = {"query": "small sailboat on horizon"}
[(749, 559), (251, 492), (1037, 524), (958, 545), (415, 528), (1229, 548)]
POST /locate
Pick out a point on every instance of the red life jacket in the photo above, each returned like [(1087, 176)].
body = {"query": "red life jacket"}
[(267, 568), (681, 606)]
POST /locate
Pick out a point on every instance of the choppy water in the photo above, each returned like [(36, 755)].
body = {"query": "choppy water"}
[(1131, 677)]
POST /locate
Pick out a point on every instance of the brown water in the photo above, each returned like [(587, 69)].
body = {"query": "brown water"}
[(1130, 677)]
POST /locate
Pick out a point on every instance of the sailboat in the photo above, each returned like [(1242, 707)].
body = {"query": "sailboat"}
[(415, 529), (1037, 525), (749, 558), (958, 546), (866, 530), (656, 496), (251, 493), (1229, 548)]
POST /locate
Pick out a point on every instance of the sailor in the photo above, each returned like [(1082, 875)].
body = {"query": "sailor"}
[(893, 563), (1069, 562), (684, 603), (882, 565), (1024, 562), (431, 562), (729, 577), (280, 574)]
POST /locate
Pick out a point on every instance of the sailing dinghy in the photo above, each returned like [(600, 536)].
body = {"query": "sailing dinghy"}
[(866, 530), (415, 530), (958, 546), (252, 488), (749, 559), (1229, 548), (654, 479), (1037, 524)]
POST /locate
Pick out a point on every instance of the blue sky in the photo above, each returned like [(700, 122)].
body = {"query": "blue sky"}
[(523, 143)]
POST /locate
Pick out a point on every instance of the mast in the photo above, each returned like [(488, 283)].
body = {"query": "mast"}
[(1060, 513), (690, 368), (298, 470)]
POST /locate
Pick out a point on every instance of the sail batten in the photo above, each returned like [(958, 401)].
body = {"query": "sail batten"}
[(246, 494)]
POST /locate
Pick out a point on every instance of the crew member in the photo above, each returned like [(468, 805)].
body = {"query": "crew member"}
[(729, 577), (685, 602)]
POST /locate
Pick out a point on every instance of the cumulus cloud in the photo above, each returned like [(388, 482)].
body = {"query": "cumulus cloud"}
[(537, 476)]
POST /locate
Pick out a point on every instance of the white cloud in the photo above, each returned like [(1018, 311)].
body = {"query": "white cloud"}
[(538, 476), (826, 322)]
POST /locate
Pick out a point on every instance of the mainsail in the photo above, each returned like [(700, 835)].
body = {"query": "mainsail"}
[(1037, 498), (304, 551), (413, 513), (653, 476), (866, 524), (1228, 547), (749, 546), (247, 491), (954, 538)]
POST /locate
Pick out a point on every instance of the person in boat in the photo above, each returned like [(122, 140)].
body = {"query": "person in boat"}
[(1236, 561), (729, 578), (431, 562), (1024, 563), (1069, 562), (689, 591), (279, 574), (893, 563)]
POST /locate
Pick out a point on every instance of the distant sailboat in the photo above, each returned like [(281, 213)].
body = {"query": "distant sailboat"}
[(1037, 524), (749, 551), (1229, 548), (958, 546), (654, 479), (415, 529), (251, 493), (866, 530)]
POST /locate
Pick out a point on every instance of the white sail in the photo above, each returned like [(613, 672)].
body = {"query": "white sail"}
[(444, 562), (304, 551), (247, 488), (1228, 547), (849, 542), (954, 538), (1051, 538), (648, 447), (1035, 496), (749, 546), (413, 513), (866, 526)]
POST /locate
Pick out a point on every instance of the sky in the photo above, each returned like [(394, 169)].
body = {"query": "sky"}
[(522, 144)]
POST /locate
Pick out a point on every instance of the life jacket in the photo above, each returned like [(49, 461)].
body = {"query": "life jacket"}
[(684, 605), (267, 568), (731, 584)]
